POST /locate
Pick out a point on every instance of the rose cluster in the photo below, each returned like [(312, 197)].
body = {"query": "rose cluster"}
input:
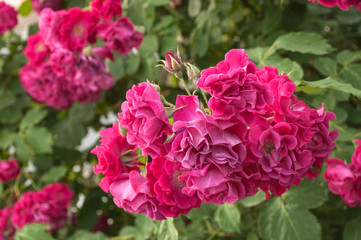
[(47, 206), (344, 179), (9, 170), (342, 4), (8, 17), (64, 65), (255, 135)]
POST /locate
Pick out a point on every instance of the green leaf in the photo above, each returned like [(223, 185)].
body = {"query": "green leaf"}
[(6, 138), (82, 113), (116, 67), (254, 200), (265, 217), (163, 23), (293, 70), (352, 74), (85, 235), (158, 2), (33, 232), (10, 115), (32, 117), (194, 6), (6, 99), (228, 218), (54, 174), (39, 139), (132, 64), (346, 57), (326, 66), (352, 16), (68, 134), (149, 45), (308, 194), (303, 42), (296, 223), (205, 211), (143, 227), (25, 8), (352, 230), (332, 83), (23, 151), (166, 230), (257, 54), (202, 43)]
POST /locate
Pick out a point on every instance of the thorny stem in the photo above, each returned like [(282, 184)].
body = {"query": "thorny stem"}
[(268, 51), (204, 96), (214, 234)]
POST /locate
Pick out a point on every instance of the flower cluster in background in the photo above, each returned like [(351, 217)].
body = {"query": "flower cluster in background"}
[(8, 17), (47, 206), (342, 4), (64, 63), (39, 5), (255, 134), (344, 179)]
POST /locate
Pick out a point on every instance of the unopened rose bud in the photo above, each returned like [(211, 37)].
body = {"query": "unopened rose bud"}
[(172, 63), (193, 72)]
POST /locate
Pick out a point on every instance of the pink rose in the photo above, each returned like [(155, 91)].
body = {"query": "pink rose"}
[(48, 206), (120, 35), (342, 181), (164, 182), (114, 155), (144, 117), (36, 50), (106, 9), (210, 185), (39, 5), (198, 138), (234, 87), (71, 29), (62, 61), (8, 17), (356, 158), (7, 229), (9, 170), (131, 193)]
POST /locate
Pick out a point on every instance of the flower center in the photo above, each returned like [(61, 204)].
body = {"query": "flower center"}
[(268, 147), (78, 29), (176, 180)]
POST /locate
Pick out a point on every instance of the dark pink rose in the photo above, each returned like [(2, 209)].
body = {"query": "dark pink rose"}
[(144, 117), (8, 17), (7, 229), (115, 155), (280, 156), (342, 181), (44, 85), (36, 50), (71, 29), (47, 206), (342, 4), (164, 183), (234, 87), (39, 5), (9, 170), (62, 61), (356, 158), (210, 185), (120, 35), (106, 9), (200, 138), (132, 193)]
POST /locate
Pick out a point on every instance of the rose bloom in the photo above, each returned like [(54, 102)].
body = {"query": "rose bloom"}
[(47, 206), (7, 229), (9, 170), (8, 17), (356, 158), (106, 9), (120, 35), (39, 5), (143, 115), (342, 181), (36, 50)]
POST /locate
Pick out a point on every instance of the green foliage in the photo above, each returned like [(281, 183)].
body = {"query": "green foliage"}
[(352, 230), (228, 218), (33, 232)]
